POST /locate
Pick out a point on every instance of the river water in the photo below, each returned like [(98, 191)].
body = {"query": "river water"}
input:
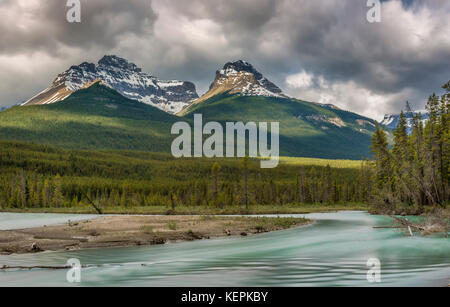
[(331, 252), (10, 221)]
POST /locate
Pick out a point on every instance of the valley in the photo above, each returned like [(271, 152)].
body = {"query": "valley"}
[(226, 145), (40, 178), (98, 151)]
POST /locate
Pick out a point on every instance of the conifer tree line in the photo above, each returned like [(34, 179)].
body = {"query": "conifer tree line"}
[(311, 185), (41, 177), (412, 171), (415, 171)]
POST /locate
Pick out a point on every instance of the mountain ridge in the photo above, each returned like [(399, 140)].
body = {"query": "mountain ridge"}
[(391, 120), (96, 117), (239, 77), (125, 77), (307, 129), (99, 116)]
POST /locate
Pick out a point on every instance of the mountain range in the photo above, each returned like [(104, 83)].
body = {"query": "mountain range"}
[(98, 109), (391, 120), (241, 78), (126, 78)]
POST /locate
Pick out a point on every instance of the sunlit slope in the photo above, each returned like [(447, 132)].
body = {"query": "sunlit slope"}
[(93, 118), (306, 129), (100, 118)]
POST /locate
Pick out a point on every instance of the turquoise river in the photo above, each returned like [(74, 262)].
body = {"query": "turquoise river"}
[(333, 251)]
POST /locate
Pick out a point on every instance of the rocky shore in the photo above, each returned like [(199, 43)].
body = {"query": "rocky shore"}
[(118, 231)]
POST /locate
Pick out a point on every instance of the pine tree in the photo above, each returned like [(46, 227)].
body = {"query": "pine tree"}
[(326, 184), (57, 197), (401, 160), (215, 170), (433, 133), (383, 181), (245, 176), (46, 194), (416, 147), (416, 171)]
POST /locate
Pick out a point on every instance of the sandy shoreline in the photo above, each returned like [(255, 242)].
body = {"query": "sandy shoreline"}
[(122, 231)]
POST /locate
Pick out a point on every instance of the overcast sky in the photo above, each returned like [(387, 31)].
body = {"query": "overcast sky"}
[(316, 50)]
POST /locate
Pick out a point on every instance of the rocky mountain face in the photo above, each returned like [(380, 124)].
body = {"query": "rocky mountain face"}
[(126, 78), (241, 77), (238, 93)]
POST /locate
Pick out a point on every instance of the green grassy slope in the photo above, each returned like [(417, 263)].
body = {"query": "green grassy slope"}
[(306, 129), (101, 118), (92, 118)]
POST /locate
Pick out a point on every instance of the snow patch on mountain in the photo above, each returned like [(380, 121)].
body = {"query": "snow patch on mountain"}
[(391, 120), (239, 78), (126, 78), (244, 79)]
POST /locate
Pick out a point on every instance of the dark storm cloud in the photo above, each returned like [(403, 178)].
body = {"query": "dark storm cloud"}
[(324, 51), (36, 25)]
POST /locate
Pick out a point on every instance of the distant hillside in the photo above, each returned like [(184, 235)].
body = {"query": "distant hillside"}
[(306, 129), (93, 118)]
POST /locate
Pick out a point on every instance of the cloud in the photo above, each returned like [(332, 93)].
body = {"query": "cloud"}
[(405, 57), (28, 26), (347, 95), (300, 81), (323, 50)]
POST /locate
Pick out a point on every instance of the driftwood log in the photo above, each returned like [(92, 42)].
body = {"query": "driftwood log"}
[(99, 211), (405, 223), (6, 267), (388, 227)]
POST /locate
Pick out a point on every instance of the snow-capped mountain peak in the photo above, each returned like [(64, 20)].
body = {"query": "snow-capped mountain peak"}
[(391, 120), (113, 61), (125, 77), (244, 79), (241, 78)]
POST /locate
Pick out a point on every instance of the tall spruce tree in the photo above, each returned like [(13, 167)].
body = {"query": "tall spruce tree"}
[(416, 170)]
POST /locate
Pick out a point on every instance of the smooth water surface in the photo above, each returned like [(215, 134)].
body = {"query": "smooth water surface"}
[(9, 221), (331, 252)]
